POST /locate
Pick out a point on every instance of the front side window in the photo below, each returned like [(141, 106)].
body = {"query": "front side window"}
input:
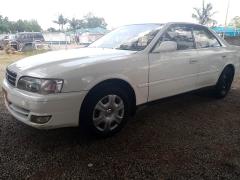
[(205, 39), (181, 35)]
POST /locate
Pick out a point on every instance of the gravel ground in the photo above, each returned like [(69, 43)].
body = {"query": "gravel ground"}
[(186, 137)]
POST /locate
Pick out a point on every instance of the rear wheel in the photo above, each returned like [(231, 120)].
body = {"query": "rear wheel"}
[(27, 47), (105, 111), (224, 83)]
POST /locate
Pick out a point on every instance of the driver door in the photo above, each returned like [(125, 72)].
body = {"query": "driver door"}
[(173, 72)]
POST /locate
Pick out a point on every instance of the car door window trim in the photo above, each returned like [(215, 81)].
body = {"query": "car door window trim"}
[(171, 26), (205, 30)]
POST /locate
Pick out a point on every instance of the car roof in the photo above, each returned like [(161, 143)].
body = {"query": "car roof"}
[(29, 33), (145, 24), (171, 23), (187, 23)]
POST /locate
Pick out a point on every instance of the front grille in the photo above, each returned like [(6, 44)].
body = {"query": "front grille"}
[(11, 77)]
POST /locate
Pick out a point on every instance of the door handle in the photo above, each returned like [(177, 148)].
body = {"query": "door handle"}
[(192, 61), (224, 56)]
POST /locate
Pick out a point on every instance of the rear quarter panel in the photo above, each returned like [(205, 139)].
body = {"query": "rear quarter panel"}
[(233, 58)]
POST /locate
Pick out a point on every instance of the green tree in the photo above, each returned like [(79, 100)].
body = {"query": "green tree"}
[(34, 26), (61, 21), (51, 29), (27, 26), (235, 22), (204, 14), (7, 26), (92, 21), (4, 24), (74, 23), (20, 26), (88, 21)]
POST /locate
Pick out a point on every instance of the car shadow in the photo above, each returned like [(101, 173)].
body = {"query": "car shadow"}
[(146, 115)]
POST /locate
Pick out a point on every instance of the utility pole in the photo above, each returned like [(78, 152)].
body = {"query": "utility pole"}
[(226, 19)]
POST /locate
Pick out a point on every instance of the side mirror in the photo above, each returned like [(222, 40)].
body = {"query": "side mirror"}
[(166, 46)]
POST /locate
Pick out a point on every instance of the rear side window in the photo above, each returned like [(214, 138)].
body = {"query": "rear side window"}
[(205, 39), (30, 36), (21, 36), (37, 36), (181, 35)]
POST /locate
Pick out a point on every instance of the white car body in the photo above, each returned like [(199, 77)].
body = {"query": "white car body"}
[(152, 76)]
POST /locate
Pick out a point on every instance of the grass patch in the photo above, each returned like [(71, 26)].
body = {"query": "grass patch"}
[(6, 59)]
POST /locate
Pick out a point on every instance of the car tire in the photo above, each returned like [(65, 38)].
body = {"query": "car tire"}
[(99, 98), (224, 83), (27, 47)]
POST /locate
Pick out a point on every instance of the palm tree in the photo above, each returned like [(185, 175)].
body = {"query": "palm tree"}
[(61, 21), (235, 22), (204, 15), (74, 23)]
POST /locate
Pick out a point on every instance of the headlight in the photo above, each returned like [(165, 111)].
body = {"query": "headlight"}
[(41, 86)]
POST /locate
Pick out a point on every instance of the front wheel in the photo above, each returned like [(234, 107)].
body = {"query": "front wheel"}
[(224, 83), (105, 111)]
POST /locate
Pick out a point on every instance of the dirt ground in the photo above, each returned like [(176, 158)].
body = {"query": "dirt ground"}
[(185, 137)]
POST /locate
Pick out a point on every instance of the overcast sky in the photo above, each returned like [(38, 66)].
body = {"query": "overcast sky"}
[(115, 12)]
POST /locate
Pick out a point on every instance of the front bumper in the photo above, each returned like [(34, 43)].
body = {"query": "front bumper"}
[(63, 108)]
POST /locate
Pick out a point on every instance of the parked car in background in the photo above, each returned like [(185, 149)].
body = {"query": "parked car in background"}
[(5, 39), (100, 86), (26, 40), (2, 42)]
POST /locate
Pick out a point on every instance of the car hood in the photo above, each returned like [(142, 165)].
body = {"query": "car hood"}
[(41, 65)]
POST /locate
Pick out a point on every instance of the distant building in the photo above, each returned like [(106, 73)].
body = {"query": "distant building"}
[(56, 38), (83, 36), (227, 31)]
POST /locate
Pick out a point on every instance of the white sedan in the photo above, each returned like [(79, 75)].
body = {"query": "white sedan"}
[(100, 86)]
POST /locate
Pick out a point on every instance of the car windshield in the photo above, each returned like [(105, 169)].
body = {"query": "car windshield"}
[(131, 37)]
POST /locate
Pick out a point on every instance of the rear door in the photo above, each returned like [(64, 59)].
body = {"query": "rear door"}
[(211, 56)]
